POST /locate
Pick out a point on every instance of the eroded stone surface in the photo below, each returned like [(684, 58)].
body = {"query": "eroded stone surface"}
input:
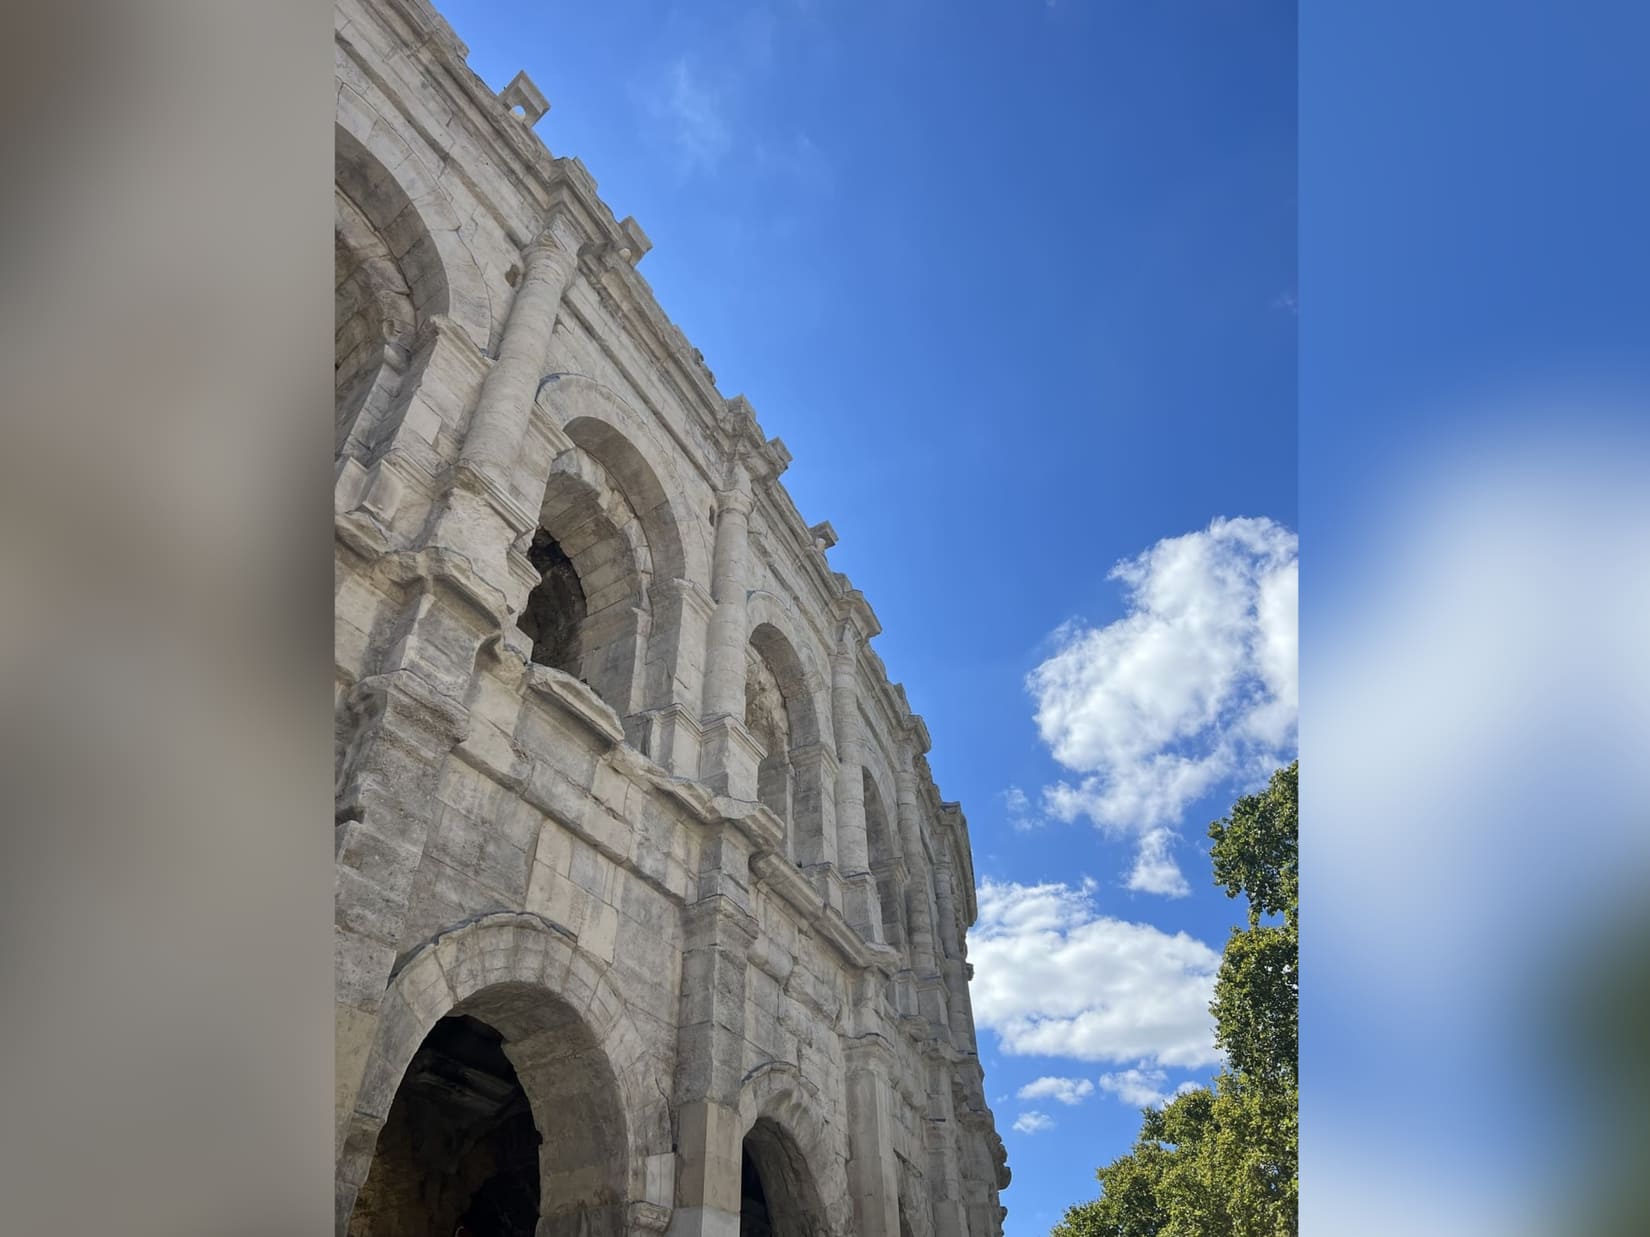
[(649, 915)]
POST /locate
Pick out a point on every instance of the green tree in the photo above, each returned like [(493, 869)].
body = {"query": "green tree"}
[(1223, 1162)]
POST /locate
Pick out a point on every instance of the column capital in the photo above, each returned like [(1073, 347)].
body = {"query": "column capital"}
[(736, 501), (688, 592), (812, 755), (717, 921), (547, 246), (916, 741), (854, 615)]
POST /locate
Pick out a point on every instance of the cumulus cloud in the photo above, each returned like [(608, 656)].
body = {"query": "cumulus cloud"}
[(1155, 870), (1142, 1087), (1033, 1122), (1054, 977), (1196, 685), (1020, 816), (1065, 1090)]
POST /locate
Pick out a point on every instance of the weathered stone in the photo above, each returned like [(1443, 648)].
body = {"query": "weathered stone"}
[(644, 890)]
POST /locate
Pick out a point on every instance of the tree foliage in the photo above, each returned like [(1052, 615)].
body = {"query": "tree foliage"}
[(1222, 1162)]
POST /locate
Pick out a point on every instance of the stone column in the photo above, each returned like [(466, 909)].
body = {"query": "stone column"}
[(916, 866), (710, 1042), (873, 1172), (861, 905), (953, 964), (725, 641), (493, 444), (949, 941), (482, 517), (730, 756), (944, 1159)]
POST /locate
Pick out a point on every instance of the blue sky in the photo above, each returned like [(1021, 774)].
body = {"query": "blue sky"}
[(1015, 282)]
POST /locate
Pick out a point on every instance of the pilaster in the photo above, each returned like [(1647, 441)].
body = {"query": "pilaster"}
[(673, 679), (403, 732), (861, 905), (719, 932), (873, 1178)]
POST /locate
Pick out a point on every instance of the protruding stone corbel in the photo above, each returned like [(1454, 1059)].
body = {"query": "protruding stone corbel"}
[(522, 93)]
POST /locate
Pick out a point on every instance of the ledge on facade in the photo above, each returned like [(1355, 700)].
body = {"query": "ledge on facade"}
[(577, 698), (639, 243), (755, 820), (522, 93)]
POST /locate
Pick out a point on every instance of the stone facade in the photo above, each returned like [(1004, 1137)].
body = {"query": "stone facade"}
[(649, 917)]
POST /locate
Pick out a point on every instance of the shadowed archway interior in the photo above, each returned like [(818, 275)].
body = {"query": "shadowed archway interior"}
[(778, 1197), (459, 1152), (507, 1123)]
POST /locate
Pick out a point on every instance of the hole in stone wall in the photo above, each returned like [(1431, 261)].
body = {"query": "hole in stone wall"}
[(459, 1153), (879, 839), (754, 1218), (555, 608), (778, 1194), (769, 721)]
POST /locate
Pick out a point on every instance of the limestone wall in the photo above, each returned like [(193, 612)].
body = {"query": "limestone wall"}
[(621, 783)]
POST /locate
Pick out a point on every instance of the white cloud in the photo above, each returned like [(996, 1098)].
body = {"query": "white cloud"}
[(1033, 1123), (1020, 817), (1140, 1088), (1053, 977), (1196, 685), (694, 112), (1065, 1090), (1155, 870)]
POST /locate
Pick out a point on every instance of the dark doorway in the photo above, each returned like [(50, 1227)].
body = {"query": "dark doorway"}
[(556, 607), (459, 1152), (754, 1219)]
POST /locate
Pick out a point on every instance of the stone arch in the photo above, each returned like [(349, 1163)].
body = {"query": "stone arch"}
[(882, 847), (373, 324), (577, 1059), (640, 466), (587, 615), (795, 1152), (396, 189), (812, 684), (600, 421), (782, 712)]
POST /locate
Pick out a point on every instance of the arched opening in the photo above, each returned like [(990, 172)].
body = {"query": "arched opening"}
[(779, 713), (769, 721), (555, 608), (506, 1123), (459, 1151), (777, 1195), (587, 615), (373, 321), (390, 277), (885, 867), (755, 1220)]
